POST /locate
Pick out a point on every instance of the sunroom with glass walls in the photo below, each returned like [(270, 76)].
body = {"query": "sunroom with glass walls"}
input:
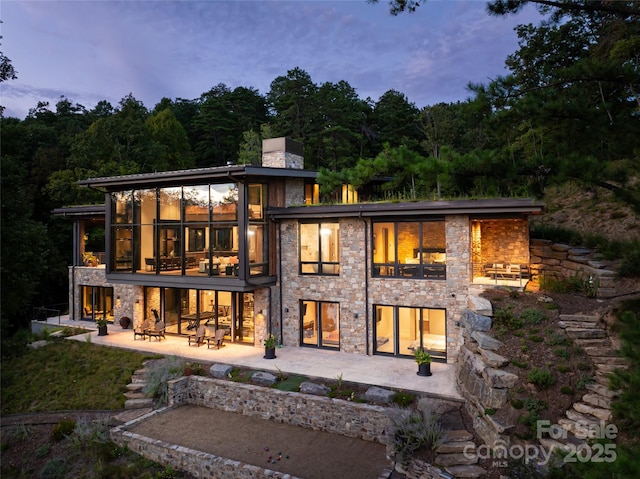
[(198, 230)]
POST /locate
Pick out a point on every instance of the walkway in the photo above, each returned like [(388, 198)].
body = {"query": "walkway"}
[(380, 371)]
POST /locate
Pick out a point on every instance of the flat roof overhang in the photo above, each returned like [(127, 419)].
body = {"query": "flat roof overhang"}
[(81, 212), (192, 282), (481, 208), (194, 176)]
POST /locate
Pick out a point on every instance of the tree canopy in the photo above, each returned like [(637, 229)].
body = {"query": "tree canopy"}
[(568, 108)]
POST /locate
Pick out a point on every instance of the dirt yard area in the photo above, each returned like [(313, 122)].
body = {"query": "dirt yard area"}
[(288, 449)]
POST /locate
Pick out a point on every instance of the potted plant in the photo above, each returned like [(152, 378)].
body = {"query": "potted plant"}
[(270, 347), (90, 259), (102, 326), (125, 322), (423, 358)]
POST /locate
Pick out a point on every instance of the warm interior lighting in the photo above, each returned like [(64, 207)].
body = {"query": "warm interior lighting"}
[(325, 231)]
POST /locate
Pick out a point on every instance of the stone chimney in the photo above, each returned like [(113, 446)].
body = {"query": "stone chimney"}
[(282, 153)]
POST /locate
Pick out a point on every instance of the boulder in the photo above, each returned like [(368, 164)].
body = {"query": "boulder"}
[(308, 387), (262, 378), (492, 359), (497, 378), (379, 395), (438, 406), (220, 371), (480, 305), (475, 321), (485, 341)]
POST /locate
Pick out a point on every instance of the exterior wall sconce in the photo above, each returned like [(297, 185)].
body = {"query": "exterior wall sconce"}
[(355, 315), (118, 302), (286, 310)]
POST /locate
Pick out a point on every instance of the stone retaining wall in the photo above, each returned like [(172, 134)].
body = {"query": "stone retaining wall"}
[(336, 416), (197, 463), (561, 261), (358, 420)]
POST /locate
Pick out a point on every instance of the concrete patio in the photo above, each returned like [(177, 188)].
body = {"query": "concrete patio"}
[(380, 371)]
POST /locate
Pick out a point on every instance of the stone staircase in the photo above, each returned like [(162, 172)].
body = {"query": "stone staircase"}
[(137, 403), (455, 458), (594, 406)]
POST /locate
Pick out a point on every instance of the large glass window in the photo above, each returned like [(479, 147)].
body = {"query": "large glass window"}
[(320, 248), (184, 310), (414, 249), (97, 303), (256, 233), (320, 324), (400, 330), (190, 230)]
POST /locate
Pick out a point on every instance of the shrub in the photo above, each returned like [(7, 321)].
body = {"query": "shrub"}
[(562, 353), (89, 435), (563, 368), (583, 380), (63, 429), (532, 316), (519, 364), (536, 339), (412, 430), (557, 339), (533, 404), (505, 317), (517, 403), (566, 390), (403, 399), (630, 264), (542, 378), (159, 373), (54, 469)]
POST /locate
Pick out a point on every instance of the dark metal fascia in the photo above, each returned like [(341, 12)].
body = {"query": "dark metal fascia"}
[(433, 208)]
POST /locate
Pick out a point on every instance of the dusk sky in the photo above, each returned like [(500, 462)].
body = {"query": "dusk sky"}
[(89, 51)]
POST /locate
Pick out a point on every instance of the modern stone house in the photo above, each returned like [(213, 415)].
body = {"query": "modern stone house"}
[(248, 249)]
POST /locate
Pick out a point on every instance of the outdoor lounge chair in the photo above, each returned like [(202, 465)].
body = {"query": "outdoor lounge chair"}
[(216, 340), (199, 337), (140, 329), (157, 332)]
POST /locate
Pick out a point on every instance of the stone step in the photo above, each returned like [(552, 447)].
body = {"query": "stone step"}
[(138, 403), (597, 400), (581, 333), (135, 395), (602, 378), (448, 460), (555, 445), (131, 414), (577, 324), (601, 351), (136, 386), (600, 343), (457, 435), (456, 447), (609, 368), (601, 390), (138, 378), (466, 471), (580, 317), (621, 362), (598, 412)]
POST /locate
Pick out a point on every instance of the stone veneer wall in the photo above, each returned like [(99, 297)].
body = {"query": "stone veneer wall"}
[(561, 261), (88, 276), (362, 421), (282, 159), (357, 291), (505, 240)]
